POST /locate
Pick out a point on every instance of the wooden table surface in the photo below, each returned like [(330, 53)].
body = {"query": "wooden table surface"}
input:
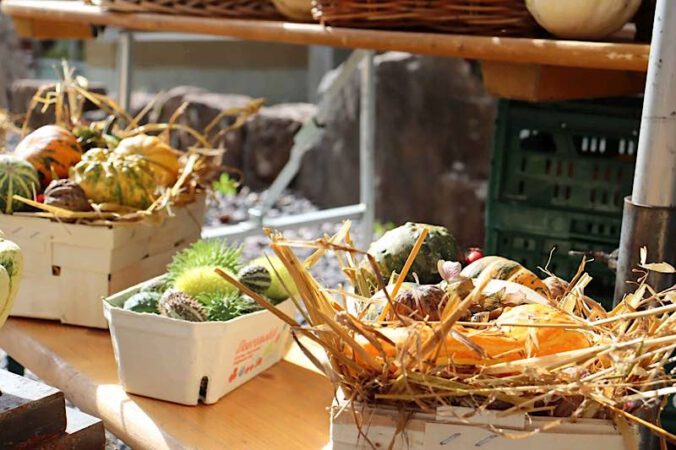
[(597, 55), (285, 407)]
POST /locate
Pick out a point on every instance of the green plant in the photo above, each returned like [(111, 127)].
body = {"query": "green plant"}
[(380, 228), (281, 282), (225, 185)]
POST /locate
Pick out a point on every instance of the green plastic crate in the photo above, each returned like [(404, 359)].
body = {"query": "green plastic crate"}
[(560, 172)]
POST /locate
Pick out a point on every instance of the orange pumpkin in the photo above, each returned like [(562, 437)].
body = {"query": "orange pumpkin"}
[(52, 150), (506, 342)]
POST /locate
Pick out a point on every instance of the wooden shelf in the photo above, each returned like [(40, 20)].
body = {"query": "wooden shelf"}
[(284, 407), (33, 16)]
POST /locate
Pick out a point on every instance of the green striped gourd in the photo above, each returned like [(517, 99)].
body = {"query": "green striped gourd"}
[(107, 177), (16, 177), (255, 277)]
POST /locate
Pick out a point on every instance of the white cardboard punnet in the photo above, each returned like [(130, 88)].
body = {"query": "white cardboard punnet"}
[(170, 359)]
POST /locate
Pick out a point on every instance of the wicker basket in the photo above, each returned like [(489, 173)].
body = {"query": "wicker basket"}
[(487, 17), (240, 9)]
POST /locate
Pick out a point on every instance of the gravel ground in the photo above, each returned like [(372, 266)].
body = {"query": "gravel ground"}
[(234, 209)]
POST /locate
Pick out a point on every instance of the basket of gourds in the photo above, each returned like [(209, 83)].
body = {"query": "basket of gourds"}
[(99, 206)]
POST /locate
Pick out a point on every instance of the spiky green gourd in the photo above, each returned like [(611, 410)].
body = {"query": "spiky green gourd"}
[(394, 247), (230, 307), (257, 278), (16, 177), (177, 305), (281, 284), (192, 270), (200, 280), (143, 302)]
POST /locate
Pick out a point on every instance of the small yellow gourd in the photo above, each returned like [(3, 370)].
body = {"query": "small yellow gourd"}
[(162, 158)]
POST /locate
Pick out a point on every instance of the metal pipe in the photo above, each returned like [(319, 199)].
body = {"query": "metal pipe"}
[(655, 178), (125, 43), (649, 213), (367, 134), (252, 227), (649, 217)]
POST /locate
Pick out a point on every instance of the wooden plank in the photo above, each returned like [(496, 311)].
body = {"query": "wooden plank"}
[(50, 29), (83, 432), (285, 407), (600, 55), (535, 82), (30, 412)]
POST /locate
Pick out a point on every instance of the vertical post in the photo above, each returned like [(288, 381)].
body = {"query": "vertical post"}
[(367, 133), (649, 217), (650, 214), (125, 43)]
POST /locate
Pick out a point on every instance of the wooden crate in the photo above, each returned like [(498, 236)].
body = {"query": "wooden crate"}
[(69, 268), (444, 430)]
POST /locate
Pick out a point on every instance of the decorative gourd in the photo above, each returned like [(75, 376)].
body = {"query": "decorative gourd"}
[(394, 247), (143, 302), (68, 195), (108, 177), (162, 158), (280, 278), (298, 10), (500, 268), (11, 270), (582, 19), (256, 278), (52, 150), (499, 344), (16, 177), (177, 305)]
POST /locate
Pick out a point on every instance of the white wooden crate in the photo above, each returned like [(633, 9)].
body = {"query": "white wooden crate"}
[(444, 430), (69, 267)]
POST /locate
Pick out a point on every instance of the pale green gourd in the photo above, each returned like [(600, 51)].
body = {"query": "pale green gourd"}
[(11, 270)]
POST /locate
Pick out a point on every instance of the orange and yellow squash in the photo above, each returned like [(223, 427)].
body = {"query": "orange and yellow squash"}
[(162, 158), (52, 150)]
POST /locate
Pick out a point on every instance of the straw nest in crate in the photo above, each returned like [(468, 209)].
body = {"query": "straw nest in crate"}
[(114, 170), (559, 355)]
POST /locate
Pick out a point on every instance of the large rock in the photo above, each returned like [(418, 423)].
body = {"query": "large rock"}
[(434, 128), (269, 139)]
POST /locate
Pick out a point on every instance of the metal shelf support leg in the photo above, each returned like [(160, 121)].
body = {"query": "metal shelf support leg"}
[(367, 138), (125, 44)]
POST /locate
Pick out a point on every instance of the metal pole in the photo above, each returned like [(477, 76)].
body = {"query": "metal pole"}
[(367, 133), (125, 43), (649, 217)]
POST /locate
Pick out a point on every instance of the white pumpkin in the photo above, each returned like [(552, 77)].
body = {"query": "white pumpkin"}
[(582, 19)]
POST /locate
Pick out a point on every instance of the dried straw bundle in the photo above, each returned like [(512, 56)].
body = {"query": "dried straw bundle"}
[(200, 163), (620, 373)]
